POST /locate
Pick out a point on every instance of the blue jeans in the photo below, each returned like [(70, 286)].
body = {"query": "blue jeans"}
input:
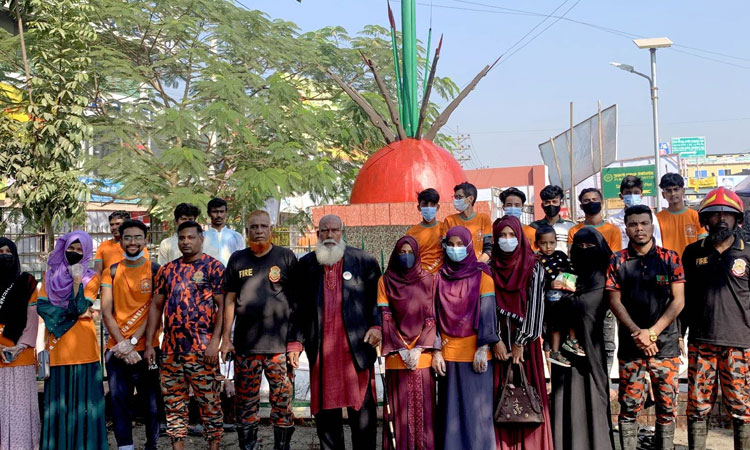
[(123, 378)]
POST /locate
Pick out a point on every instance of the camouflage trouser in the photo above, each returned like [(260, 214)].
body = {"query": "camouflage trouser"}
[(179, 373), (664, 373), (732, 364), (247, 376)]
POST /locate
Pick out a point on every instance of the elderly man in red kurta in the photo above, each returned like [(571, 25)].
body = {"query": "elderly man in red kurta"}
[(335, 318)]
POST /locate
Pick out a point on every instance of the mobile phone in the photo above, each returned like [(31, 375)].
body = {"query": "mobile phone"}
[(8, 355)]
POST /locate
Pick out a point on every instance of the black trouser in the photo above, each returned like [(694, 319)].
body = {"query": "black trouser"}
[(363, 423)]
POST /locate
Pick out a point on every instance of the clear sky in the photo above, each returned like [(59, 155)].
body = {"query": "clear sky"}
[(525, 100)]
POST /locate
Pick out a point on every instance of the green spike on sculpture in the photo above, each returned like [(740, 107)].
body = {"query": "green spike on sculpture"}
[(410, 117)]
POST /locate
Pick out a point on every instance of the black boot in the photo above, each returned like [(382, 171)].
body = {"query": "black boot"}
[(628, 435), (741, 436), (248, 436), (664, 437), (697, 431), (282, 437)]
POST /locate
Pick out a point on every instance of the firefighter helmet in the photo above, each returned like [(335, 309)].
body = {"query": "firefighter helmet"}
[(721, 200)]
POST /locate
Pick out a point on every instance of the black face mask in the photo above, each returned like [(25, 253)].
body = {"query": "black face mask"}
[(7, 262), (592, 208), (73, 257), (586, 260), (551, 210)]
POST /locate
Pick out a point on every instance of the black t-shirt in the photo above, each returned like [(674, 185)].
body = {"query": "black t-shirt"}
[(262, 308), (645, 283), (554, 264), (717, 294)]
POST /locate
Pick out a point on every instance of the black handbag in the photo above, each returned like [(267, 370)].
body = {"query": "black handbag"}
[(519, 405)]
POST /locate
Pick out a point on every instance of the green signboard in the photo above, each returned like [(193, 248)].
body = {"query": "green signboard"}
[(689, 147), (612, 177)]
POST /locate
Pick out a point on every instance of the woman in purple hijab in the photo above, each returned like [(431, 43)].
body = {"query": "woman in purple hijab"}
[(467, 323), (73, 393), (406, 299)]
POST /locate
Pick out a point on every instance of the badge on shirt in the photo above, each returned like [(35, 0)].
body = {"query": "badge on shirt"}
[(701, 261), (662, 279), (738, 268), (145, 285), (691, 231), (198, 277), (274, 274), (347, 275)]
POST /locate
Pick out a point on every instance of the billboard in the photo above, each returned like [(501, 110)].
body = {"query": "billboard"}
[(612, 178), (586, 162)]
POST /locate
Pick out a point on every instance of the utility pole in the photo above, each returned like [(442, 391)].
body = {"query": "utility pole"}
[(462, 152)]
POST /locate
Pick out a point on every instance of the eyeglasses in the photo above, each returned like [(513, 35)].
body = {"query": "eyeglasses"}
[(133, 238)]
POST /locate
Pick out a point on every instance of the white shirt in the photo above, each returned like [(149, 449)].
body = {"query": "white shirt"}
[(619, 220), (221, 244), (169, 250)]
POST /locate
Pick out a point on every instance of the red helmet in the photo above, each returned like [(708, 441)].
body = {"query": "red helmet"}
[(721, 199)]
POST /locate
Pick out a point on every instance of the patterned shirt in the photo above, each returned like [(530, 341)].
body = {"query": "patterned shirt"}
[(188, 289), (645, 285)]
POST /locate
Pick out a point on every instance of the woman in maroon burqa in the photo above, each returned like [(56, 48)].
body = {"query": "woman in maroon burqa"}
[(519, 292), (406, 298)]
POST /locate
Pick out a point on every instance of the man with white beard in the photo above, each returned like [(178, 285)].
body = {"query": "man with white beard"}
[(335, 318)]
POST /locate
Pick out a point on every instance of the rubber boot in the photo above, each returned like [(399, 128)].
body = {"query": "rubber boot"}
[(282, 438), (248, 436), (664, 437), (741, 436), (628, 435), (697, 431)]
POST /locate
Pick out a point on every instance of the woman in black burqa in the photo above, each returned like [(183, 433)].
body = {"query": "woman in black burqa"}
[(580, 394)]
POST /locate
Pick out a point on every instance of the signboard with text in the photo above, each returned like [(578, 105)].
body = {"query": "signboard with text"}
[(612, 177), (689, 147)]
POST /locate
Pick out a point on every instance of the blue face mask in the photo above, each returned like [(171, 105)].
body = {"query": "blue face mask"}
[(134, 258), (631, 200), (428, 213), (456, 254), (406, 260), (507, 245), (460, 204), (514, 211)]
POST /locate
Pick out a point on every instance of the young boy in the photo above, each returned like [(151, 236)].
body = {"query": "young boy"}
[(479, 224), (429, 232), (556, 263), (679, 224)]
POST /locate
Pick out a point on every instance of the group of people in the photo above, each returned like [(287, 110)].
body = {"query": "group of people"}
[(463, 314)]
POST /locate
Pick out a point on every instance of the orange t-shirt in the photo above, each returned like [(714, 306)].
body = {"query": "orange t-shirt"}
[(131, 299), (678, 230), (110, 252), (79, 345), (462, 349), (394, 361), (611, 234), (479, 225), (430, 240), (530, 233), (27, 357)]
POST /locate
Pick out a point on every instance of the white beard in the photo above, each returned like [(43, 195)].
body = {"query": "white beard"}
[(329, 256)]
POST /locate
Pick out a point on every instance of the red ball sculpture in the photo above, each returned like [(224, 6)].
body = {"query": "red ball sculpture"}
[(398, 171)]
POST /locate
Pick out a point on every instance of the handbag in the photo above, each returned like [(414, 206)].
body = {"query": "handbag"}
[(518, 404)]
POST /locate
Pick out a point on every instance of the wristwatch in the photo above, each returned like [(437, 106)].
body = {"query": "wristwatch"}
[(134, 340), (652, 335)]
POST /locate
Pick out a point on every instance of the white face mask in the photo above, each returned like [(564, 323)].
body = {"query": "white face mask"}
[(507, 244), (460, 204)]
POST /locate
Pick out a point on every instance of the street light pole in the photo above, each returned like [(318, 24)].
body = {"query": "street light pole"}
[(652, 44), (655, 107)]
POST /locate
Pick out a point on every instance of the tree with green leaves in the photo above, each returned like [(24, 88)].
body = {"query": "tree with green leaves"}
[(196, 98), (40, 155)]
